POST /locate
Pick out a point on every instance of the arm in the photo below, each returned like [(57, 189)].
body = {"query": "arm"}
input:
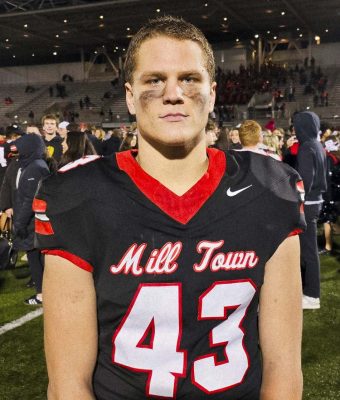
[(280, 324), (70, 329)]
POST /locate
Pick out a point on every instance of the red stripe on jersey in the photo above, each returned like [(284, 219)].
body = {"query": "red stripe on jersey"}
[(295, 232), (39, 205), (79, 262), (81, 161), (43, 227), (180, 208)]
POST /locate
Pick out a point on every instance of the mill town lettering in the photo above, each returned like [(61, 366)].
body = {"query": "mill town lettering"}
[(164, 260)]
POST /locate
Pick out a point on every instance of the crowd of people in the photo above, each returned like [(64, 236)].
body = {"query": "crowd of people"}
[(62, 142), (176, 232)]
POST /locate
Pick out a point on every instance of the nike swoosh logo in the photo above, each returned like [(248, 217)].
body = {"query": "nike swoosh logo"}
[(231, 193)]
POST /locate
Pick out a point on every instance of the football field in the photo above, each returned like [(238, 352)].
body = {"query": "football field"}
[(22, 367)]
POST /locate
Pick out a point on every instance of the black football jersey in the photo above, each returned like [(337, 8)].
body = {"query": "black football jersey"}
[(177, 277)]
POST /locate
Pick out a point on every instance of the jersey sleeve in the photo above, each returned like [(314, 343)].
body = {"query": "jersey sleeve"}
[(60, 221), (287, 206)]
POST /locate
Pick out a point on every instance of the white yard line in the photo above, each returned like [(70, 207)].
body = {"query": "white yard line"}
[(20, 321)]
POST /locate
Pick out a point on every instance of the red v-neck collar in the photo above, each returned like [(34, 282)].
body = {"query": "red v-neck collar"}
[(181, 208)]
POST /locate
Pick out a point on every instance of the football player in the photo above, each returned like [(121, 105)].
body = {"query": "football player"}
[(172, 271)]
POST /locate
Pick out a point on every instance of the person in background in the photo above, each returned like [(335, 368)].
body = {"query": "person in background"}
[(33, 129), (129, 142), (63, 128), (329, 213), (97, 144), (312, 166), (223, 141), (75, 146), (9, 169), (234, 140), (51, 138), (32, 168), (7, 151), (99, 133), (271, 143), (250, 133), (3, 161), (112, 144), (211, 132)]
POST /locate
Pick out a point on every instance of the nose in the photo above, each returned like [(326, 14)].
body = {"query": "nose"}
[(173, 93)]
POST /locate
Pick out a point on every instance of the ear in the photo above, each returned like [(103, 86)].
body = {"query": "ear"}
[(129, 98), (212, 96)]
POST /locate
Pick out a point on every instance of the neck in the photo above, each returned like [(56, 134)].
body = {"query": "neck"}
[(177, 168), (50, 137), (256, 147)]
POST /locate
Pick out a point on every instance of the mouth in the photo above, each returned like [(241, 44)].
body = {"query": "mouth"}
[(174, 117)]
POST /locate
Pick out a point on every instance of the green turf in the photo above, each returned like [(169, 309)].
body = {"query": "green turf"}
[(22, 367), (23, 374), (321, 339), (13, 292)]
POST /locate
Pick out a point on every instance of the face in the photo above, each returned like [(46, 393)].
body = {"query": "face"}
[(171, 93), (97, 133), (50, 126), (234, 136), (62, 132)]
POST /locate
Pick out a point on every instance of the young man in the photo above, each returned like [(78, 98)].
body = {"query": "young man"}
[(157, 260), (312, 166), (51, 138)]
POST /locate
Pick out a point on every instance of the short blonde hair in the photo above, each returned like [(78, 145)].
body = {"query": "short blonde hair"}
[(174, 28), (250, 133)]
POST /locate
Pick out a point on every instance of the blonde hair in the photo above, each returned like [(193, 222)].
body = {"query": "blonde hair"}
[(272, 142), (50, 116), (101, 135), (250, 133)]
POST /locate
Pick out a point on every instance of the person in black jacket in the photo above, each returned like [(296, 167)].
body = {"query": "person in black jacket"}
[(312, 166), (112, 144), (32, 168)]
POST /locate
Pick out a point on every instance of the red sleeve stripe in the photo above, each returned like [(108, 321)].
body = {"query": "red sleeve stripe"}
[(295, 232), (79, 262), (43, 227), (39, 205)]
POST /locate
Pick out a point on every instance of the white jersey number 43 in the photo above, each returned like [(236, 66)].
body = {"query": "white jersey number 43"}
[(148, 338)]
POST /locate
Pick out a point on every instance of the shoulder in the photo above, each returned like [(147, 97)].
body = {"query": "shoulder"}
[(268, 174), (37, 166), (75, 182), (81, 162), (261, 164), (72, 175)]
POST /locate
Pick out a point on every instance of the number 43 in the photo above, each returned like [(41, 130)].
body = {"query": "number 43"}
[(155, 313)]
